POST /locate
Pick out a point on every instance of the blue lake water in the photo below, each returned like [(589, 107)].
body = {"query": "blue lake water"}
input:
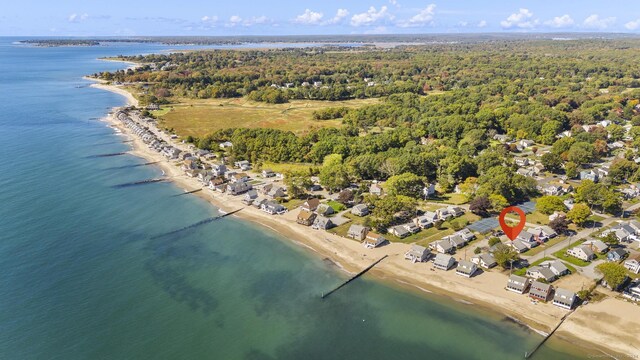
[(82, 276)]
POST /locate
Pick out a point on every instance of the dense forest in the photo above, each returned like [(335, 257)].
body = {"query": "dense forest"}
[(442, 105)]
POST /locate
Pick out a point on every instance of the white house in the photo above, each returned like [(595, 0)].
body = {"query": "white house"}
[(582, 252), (444, 262), (417, 253)]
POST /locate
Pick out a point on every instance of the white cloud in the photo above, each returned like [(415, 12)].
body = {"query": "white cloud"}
[(209, 19), (78, 17), (523, 19), (309, 17), (340, 15), (394, 3), (255, 20), (632, 25), (560, 21), (233, 21), (482, 23), (423, 18), (371, 17), (595, 22)]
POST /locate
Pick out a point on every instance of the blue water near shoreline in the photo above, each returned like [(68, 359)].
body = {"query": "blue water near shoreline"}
[(81, 276)]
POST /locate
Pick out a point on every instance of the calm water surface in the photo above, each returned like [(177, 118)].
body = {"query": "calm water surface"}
[(83, 277)]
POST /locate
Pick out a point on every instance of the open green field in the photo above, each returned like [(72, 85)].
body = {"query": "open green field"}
[(201, 117)]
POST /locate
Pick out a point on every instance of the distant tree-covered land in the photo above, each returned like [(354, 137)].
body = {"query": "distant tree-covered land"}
[(442, 106)]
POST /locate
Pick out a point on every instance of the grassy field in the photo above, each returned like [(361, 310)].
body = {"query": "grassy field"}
[(548, 244), (570, 259), (285, 167), (201, 117)]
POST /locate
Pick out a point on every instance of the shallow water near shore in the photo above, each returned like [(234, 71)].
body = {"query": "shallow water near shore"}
[(84, 274)]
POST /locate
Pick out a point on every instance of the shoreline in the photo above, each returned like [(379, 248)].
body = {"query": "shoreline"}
[(485, 291)]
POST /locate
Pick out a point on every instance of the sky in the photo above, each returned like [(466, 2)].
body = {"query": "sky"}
[(303, 17)]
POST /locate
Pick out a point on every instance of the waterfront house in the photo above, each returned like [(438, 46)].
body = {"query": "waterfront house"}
[(486, 261), (373, 240), (360, 210), (399, 231), (322, 223), (324, 210), (192, 173), (596, 245), (267, 173), (240, 177), (564, 298), (582, 252), (617, 254), (306, 217), (249, 196), (540, 291), (518, 284), (633, 264), (375, 189), (466, 268), (444, 262), (215, 182), (357, 232), (310, 205), (539, 272), (417, 253), (273, 208), (257, 203), (442, 246), (238, 188), (276, 192)]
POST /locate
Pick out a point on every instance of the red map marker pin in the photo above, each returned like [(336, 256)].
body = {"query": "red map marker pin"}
[(512, 232)]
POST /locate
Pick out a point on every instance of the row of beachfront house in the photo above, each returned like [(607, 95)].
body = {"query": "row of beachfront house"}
[(541, 291), (449, 243)]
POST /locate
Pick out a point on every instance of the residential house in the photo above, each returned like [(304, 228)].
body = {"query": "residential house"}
[(444, 262), (457, 241), (310, 205), (241, 177), (373, 240), (442, 246), (518, 246), (273, 208), (423, 222), (633, 264), (217, 183), (486, 261), (502, 138), (539, 272), (375, 189), (249, 196), (564, 298), (429, 190), (360, 210), (226, 145), (411, 227), (526, 172), (357, 232), (456, 211), (524, 143), (324, 210), (596, 245), (557, 215), (399, 231), (466, 234), (553, 190), (556, 266), (617, 254), (257, 203), (540, 291), (267, 173), (518, 284), (527, 239), (582, 252), (589, 175), (266, 188), (306, 217), (522, 161), (218, 169), (276, 192), (417, 253), (241, 164), (238, 188), (466, 268), (543, 233), (322, 223), (444, 214)]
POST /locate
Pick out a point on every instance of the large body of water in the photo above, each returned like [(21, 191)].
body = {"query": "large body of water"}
[(83, 277)]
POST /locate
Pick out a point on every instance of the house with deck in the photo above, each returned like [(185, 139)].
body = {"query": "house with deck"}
[(322, 223), (564, 298), (540, 291), (444, 262), (442, 246), (373, 240), (357, 232), (486, 261), (633, 264), (273, 208), (306, 217), (417, 253), (466, 268), (238, 188), (249, 196), (518, 284)]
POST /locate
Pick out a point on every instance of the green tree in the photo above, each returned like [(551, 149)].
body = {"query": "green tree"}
[(616, 132), (548, 204), (621, 170), (571, 170), (613, 273), (493, 241), (505, 255), (611, 239), (406, 184), (297, 183), (581, 153), (549, 131), (552, 162), (579, 214), (498, 202), (334, 175)]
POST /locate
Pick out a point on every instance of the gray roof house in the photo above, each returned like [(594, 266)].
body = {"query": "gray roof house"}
[(417, 253), (249, 196), (444, 262), (357, 232), (411, 227), (466, 268), (556, 267), (564, 298), (518, 246), (322, 223), (486, 261), (442, 246), (238, 188), (466, 234), (582, 252), (596, 245), (273, 208), (540, 291), (518, 284), (360, 210), (399, 231), (456, 240), (324, 210), (424, 222), (539, 272), (633, 265)]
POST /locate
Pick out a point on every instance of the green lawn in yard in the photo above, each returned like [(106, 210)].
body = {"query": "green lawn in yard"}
[(451, 199), (548, 244), (523, 271), (292, 204), (337, 207), (570, 259), (289, 167)]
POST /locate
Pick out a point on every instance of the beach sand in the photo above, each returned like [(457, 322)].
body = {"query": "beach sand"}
[(589, 325)]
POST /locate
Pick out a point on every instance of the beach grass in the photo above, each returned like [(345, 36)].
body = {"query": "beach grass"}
[(200, 117)]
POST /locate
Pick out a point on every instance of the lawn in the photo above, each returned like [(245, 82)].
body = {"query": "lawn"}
[(570, 259), (546, 245), (337, 207), (289, 167), (198, 117), (292, 204), (451, 199), (523, 271)]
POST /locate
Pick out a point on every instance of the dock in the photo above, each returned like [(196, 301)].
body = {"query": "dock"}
[(325, 295)]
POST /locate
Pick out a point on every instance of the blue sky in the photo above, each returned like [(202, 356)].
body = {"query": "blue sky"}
[(193, 17)]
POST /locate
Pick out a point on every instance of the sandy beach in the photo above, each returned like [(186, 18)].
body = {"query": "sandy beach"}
[(592, 325)]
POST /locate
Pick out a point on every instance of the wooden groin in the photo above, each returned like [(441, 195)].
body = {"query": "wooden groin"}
[(106, 155), (325, 295), (131, 166), (188, 192), (142, 182), (529, 354), (199, 223)]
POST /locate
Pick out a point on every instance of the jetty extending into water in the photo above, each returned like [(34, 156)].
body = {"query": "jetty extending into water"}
[(141, 182), (199, 223), (529, 354), (189, 192), (106, 155), (325, 295)]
